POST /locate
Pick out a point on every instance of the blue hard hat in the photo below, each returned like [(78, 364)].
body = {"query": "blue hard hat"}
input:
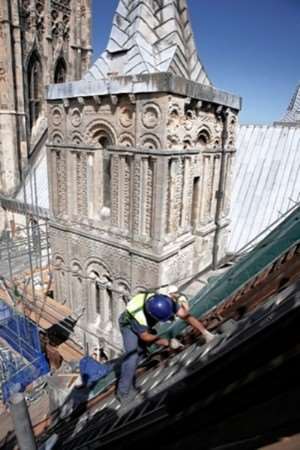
[(160, 307)]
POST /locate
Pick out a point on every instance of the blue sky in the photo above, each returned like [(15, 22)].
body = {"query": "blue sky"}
[(249, 47)]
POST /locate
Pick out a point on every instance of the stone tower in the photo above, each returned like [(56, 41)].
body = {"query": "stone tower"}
[(139, 157), (41, 42)]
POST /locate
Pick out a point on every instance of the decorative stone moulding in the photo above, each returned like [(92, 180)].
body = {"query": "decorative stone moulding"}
[(66, 103), (97, 100), (150, 141), (132, 98), (151, 115), (76, 118), (114, 100), (126, 116), (56, 116), (127, 140), (57, 138), (77, 138)]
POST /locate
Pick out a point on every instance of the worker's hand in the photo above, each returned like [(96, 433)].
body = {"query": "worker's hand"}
[(183, 302), (163, 342), (175, 344)]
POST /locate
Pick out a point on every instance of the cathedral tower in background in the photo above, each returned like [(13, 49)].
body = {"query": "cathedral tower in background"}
[(41, 42)]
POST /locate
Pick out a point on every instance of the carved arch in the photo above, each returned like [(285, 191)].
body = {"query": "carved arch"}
[(99, 294), (56, 137), (60, 70), (100, 129), (204, 136)]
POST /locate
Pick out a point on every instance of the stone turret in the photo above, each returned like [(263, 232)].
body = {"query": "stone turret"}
[(140, 154)]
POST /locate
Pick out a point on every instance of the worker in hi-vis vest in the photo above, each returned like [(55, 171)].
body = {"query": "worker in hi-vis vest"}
[(142, 313)]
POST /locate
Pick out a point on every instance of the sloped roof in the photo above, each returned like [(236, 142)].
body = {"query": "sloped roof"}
[(285, 236), (266, 180), (150, 37), (104, 423), (292, 115), (104, 418)]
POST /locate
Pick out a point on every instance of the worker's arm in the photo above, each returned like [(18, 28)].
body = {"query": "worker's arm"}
[(153, 339), (183, 314)]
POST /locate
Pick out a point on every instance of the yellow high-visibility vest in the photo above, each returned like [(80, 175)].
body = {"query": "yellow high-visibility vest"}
[(136, 307)]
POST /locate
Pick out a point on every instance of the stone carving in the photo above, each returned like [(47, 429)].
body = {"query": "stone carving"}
[(151, 141), (231, 129), (56, 116), (126, 193), (186, 122), (76, 118), (76, 138), (2, 74), (126, 139), (115, 190), (137, 195), (98, 128), (61, 182), (173, 141), (151, 115), (60, 15), (126, 116), (149, 197), (81, 175), (57, 138), (34, 17)]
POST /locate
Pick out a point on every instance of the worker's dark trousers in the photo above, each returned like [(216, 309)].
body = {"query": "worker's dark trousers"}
[(133, 354)]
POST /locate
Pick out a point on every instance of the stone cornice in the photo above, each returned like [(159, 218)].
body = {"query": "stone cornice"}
[(163, 83)]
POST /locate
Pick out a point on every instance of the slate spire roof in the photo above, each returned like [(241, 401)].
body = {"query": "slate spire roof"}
[(150, 36), (292, 115)]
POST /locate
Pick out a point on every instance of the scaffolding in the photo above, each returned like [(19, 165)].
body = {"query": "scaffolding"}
[(25, 277), (21, 360)]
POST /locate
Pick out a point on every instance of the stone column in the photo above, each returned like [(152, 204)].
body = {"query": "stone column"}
[(115, 190), (97, 185), (117, 309), (187, 196), (160, 196), (137, 196), (73, 210), (90, 185)]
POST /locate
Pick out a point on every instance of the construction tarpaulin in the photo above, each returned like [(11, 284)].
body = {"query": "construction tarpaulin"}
[(22, 336)]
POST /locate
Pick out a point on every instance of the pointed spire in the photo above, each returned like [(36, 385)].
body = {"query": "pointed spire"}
[(150, 36), (292, 115)]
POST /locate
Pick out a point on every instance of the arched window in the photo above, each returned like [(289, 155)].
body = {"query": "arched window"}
[(60, 73), (35, 88)]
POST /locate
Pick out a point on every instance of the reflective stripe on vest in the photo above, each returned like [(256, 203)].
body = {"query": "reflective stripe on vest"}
[(136, 308)]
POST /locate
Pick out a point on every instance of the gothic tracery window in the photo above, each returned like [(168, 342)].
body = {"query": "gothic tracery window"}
[(35, 90), (60, 73)]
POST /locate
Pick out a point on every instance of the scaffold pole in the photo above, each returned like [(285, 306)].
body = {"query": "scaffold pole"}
[(22, 422)]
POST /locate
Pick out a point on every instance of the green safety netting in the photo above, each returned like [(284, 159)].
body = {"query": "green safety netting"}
[(285, 236)]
